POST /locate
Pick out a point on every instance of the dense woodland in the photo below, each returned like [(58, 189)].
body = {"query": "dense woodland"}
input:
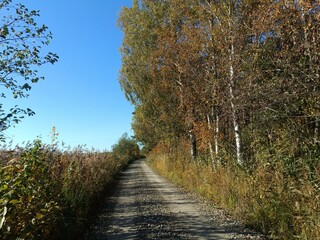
[(231, 87)]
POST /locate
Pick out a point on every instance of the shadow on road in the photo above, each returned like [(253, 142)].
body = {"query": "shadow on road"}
[(146, 206)]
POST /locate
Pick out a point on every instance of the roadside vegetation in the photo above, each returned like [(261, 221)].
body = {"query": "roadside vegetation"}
[(280, 202), (227, 97), (47, 193)]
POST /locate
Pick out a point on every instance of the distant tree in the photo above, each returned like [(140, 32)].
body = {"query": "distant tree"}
[(126, 149), (21, 42)]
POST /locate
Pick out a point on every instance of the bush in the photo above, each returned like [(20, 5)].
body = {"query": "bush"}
[(30, 205), (46, 193)]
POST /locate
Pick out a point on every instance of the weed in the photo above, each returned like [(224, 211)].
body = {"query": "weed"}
[(46, 193), (281, 201)]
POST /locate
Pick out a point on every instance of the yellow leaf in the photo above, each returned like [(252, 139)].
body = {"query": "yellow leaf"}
[(15, 201), (4, 187), (39, 216)]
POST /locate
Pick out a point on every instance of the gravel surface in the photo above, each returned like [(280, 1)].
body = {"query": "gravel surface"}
[(146, 206)]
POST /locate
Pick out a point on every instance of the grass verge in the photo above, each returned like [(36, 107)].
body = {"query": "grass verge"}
[(268, 199)]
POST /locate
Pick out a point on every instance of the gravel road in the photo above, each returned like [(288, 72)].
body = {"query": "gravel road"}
[(146, 206)]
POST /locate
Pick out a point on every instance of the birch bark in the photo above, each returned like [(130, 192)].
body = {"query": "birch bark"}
[(236, 126)]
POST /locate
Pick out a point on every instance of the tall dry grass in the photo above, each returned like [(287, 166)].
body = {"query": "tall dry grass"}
[(279, 204), (46, 193)]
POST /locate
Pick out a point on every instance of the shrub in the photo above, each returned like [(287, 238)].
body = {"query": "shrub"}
[(30, 205), (46, 193)]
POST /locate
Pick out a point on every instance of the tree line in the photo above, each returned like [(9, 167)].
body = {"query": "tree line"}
[(232, 79), (227, 101)]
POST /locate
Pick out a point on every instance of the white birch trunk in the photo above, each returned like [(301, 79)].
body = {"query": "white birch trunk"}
[(214, 154), (209, 142), (232, 98), (193, 144), (216, 146), (235, 120)]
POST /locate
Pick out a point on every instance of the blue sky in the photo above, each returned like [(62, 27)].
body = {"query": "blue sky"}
[(81, 95)]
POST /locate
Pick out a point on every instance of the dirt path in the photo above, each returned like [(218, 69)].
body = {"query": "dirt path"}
[(146, 206)]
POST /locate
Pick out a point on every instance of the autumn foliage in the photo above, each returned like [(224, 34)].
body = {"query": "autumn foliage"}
[(47, 193), (233, 85)]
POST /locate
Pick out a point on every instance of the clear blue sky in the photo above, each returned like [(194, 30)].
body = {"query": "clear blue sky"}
[(81, 95)]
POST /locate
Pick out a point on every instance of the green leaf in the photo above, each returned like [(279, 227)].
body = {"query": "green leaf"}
[(15, 201), (4, 187)]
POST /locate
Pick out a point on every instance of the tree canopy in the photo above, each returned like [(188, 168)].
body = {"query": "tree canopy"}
[(229, 77), (22, 40)]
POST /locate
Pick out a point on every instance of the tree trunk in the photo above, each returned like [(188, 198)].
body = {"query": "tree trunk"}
[(209, 142), (216, 146), (232, 98), (193, 144), (236, 127)]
